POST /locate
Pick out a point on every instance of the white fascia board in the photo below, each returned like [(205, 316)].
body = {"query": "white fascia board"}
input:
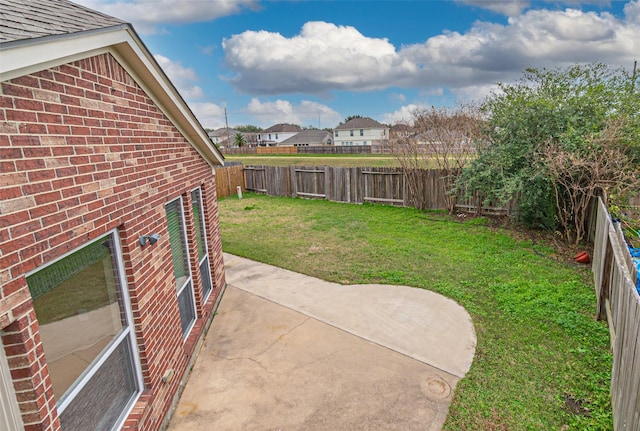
[(142, 66), (32, 55), (21, 59)]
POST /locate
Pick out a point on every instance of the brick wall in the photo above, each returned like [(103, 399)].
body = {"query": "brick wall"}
[(83, 150)]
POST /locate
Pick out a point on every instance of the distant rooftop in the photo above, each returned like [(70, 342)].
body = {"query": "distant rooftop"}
[(30, 19), (308, 137), (282, 128), (223, 132), (361, 123)]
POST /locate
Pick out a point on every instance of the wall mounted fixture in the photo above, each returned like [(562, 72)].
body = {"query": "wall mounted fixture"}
[(152, 239)]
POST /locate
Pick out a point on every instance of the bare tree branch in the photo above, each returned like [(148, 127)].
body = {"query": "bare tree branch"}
[(446, 137)]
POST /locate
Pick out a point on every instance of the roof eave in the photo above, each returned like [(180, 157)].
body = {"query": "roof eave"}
[(26, 56)]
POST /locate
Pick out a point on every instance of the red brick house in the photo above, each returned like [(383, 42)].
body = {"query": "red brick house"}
[(110, 252)]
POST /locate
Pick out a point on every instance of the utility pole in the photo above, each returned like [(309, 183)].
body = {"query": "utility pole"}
[(226, 122)]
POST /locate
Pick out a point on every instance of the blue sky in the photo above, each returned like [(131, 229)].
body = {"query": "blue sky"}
[(313, 63)]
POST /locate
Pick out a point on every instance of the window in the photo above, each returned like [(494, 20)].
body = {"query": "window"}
[(276, 136), (351, 132), (336, 133), (201, 242), (10, 417), (361, 132), (181, 268), (86, 330)]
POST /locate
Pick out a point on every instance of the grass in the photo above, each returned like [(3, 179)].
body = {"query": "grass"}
[(83, 292), (542, 362), (337, 160)]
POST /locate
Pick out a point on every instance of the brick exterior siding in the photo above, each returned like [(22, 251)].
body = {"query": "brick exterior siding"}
[(84, 150)]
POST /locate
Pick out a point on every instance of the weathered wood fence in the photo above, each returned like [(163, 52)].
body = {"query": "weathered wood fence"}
[(313, 149), (618, 302), (613, 271), (228, 178), (358, 185)]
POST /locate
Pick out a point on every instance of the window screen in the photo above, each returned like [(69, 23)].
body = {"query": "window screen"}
[(177, 238), (200, 227), (85, 327)]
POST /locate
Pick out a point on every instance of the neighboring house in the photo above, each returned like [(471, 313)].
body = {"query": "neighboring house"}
[(250, 138), (226, 138), (223, 136), (308, 137), (277, 133), (445, 141), (110, 253), (399, 131), (360, 131)]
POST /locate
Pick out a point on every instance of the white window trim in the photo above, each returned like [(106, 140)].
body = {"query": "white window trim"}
[(9, 409), (189, 278), (206, 245), (127, 331)]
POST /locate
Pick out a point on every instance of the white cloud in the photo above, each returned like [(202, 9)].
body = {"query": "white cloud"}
[(515, 7), (305, 113), (210, 115), (146, 15), (478, 92), (434, 91), (325, 57), (404, 115), (632, 11), (505, 7), (183, 78), (397, 98)]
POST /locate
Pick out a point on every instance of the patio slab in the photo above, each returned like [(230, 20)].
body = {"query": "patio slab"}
[(291, 352)]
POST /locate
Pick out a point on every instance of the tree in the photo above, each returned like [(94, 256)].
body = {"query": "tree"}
[(350, 117), (248, 128), (551, 113), (238, 140), (577, 176), (444, 136)]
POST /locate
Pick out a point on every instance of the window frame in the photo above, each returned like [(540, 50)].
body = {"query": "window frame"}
[(128, 331), (204, 239), (9, 408), (189, 278)]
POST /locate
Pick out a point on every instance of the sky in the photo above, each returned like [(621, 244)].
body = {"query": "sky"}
[(314, 63)]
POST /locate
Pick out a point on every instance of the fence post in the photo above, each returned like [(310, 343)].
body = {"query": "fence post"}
[(294, 182), (327, 184)]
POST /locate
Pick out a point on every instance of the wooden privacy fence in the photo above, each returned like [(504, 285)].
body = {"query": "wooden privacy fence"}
[(228, 178), (356, 185), (618, 302)]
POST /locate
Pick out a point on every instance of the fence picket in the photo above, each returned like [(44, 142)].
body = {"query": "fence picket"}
[(613, 276), (614, 282), (359, 185)]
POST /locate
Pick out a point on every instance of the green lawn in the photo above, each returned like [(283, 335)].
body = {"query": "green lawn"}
[(337, 160), (542, 362)]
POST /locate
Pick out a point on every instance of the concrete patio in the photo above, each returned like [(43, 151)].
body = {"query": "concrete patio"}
[(292, 352)]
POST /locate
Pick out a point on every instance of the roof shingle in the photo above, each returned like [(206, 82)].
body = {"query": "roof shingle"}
[(282, 128), (308, 137), (361, 123), (30, 19)]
